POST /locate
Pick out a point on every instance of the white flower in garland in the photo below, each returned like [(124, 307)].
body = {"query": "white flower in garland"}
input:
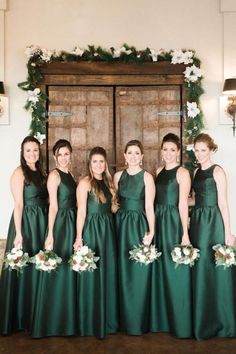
[(180, 57), (192, 109), (190, 147), (192, 73), (78, 51), (46, 55), (154, 54), (31, 50), (40, 137), (117, 52), (33, 96)]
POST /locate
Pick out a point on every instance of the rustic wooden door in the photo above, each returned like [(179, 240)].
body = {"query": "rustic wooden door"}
[(146, 113), (84, 116), (88, 116)]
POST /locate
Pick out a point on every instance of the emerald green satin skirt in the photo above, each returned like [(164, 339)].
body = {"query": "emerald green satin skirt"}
[(171, 303), (18, 293), (56, 302), (97, 291), (214, 289), (134, 279)]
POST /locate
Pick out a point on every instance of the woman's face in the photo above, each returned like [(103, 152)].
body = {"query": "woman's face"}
[(98, 165), (202, 152), (31, 152), (133, 155), (169, 152), (63, 157)]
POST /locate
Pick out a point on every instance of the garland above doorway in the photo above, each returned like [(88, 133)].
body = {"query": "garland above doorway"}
[(36, 100)]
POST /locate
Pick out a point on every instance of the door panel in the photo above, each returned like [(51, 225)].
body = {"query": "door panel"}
[(138, 116), (90, 123)]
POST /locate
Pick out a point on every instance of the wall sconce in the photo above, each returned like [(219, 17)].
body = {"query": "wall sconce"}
[(229, 89), (4, 110)]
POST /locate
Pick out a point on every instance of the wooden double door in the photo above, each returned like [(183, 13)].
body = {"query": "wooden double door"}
[(110, 116)]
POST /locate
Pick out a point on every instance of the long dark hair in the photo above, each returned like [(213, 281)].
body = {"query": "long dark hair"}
[(95, 186), (38, 178)]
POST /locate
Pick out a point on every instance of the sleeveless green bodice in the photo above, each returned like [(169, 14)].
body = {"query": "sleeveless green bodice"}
[(131, 191), (34, 195), (66, 193), (94, 206), (204, 187), (167, 187)]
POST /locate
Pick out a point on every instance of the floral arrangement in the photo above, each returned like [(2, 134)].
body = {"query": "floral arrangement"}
[(144, 254), (36, 99), (83, 260), (46, 261), (16, 260), (185, 254), (224, 255)]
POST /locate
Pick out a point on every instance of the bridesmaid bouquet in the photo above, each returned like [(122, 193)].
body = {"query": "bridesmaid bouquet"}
[(46, 261), (16, 260), (83, 260), (185, 254), (224, 255), (144, 254)]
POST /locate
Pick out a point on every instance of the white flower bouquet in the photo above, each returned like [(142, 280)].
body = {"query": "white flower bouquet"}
[(185, 254), (46, 260), (144, 254), (83, 260), (16, 260), (224, 255)]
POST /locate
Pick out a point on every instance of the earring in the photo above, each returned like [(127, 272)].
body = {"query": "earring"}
[(177, 159), (126, 163), (141, 162)]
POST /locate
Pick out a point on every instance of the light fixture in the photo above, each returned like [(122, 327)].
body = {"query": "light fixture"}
[(230, 90), (1, 93)]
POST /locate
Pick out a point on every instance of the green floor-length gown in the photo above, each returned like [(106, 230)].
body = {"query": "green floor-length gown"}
[(214, 289), (171, 309), (55, 311), (134, 279), (97, 291), (17, 293)]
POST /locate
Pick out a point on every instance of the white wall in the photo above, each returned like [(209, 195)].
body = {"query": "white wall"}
[(63, 24)]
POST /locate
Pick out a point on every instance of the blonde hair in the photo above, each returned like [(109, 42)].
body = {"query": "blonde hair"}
[(106, 176)]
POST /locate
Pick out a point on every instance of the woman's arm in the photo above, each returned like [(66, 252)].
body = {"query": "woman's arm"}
[(52, 185), (221, 184), (184, 181), (150, 192), (17, 188), (116, 179), (191, 199), (82, 196)]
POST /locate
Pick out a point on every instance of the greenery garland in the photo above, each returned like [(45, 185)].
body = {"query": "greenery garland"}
[(36, 101)]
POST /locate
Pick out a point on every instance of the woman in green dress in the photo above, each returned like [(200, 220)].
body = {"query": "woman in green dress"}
[(134, 224), (26, 231), (171, 306), (214, 289), (97, 291), (55, 310)]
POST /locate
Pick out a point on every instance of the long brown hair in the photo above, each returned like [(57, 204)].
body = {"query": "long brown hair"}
[(106, 176), (38, 178)]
